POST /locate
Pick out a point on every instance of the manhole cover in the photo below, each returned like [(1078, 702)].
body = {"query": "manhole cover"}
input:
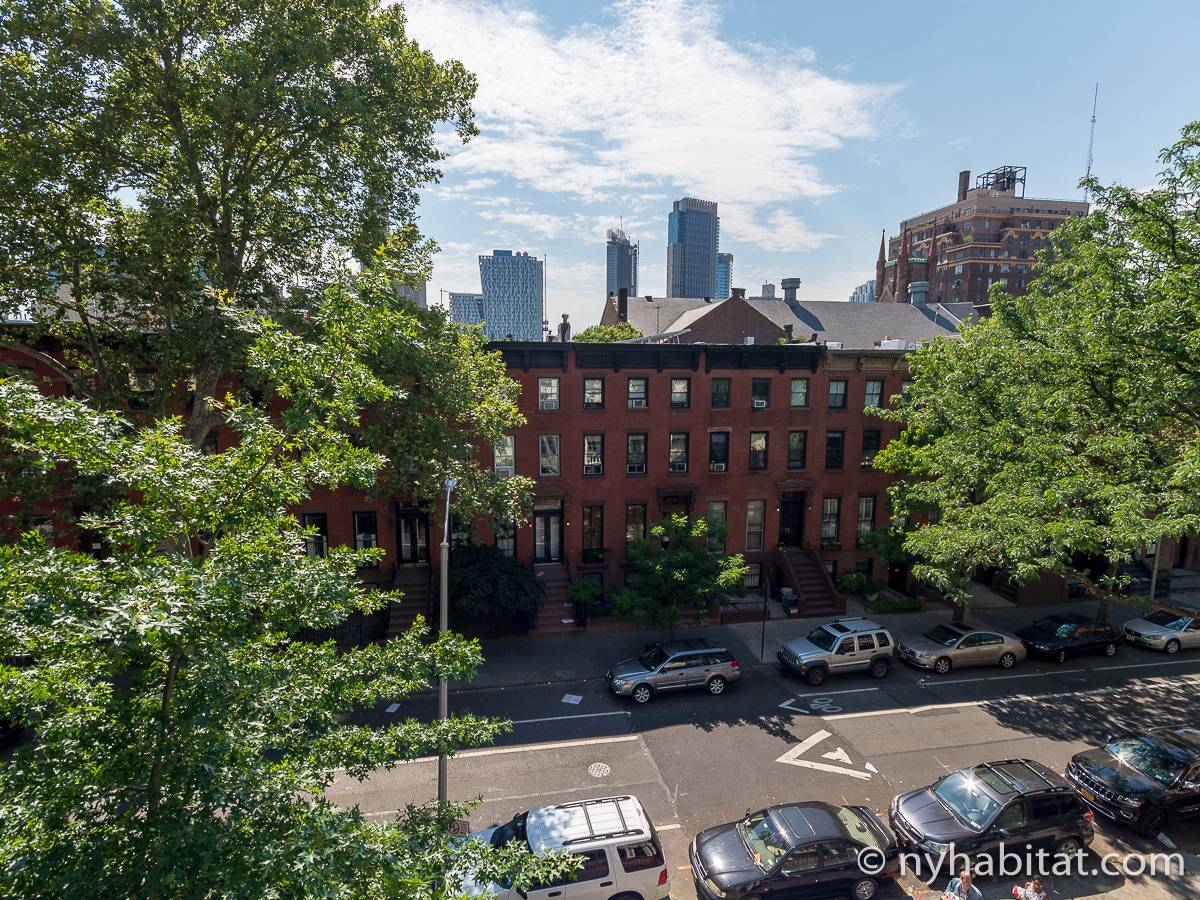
[(599, 770)]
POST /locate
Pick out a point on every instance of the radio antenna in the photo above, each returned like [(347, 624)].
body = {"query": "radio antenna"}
[(1091, 139)]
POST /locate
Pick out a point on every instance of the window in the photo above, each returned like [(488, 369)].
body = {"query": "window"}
[(638, 392), (864, 566), (831, 568), (681, 393), (593, 454), (835, 444), (715, 514), (837, 393), (548, 454), (316, 544), (718, 451), (866, 515), (595, 865), (760, 393), (635, 522), (866, 642), (720, 393), (799, 397), (593, 393), (753, 577), (366, 534), (870, 446), (547, 393), (593, 534), (506, 537), (873, 395), (635, 454), (758, 450), (639, 857), (831, 512), (797, 449), (905, 387), (1013, 818), (504, 455), (756, 511), (677, 458)]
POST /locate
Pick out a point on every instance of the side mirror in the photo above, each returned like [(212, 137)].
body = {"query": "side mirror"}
[(521, 892)]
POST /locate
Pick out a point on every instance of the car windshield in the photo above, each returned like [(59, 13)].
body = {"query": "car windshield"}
[(511, 831), (653, 658), (1148, 757), (763, 841), (1065, 631), (858, 827), (822, 638), (964, 796), (1166, 619), (940, 634)]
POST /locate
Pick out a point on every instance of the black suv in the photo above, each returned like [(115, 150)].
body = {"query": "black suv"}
[(977, 810), (1142, 779)]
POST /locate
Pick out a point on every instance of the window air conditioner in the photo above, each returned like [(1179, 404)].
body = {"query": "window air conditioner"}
[(760, 404), (716, 467)]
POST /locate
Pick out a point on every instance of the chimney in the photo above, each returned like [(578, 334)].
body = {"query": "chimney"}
[(790, 286), (623, 305), (918, 292), (964, 184), (564, 330), (787, 332), (737, 294)]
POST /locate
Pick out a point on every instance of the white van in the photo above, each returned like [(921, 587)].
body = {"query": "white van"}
[(622, 854)]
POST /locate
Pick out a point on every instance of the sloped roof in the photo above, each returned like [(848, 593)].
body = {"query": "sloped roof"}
[(654, 316), (859, 326)]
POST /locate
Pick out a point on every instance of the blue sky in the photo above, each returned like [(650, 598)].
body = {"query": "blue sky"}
[(813, 125)]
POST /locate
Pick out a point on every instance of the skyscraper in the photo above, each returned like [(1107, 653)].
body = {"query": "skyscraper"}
[(723, 279), (693, 237), (622, 262), (511, 302), (864, 293)]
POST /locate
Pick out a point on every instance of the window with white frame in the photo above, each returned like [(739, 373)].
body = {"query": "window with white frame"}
[(504, 455), (866, 515), (831, 513), (677, 460), (547, 393), (638, 392), (756, 512), (873, 396), (548, 446), (799, 396), (593, 454)]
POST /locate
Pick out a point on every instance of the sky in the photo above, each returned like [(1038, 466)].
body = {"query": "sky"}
[(813, 125)]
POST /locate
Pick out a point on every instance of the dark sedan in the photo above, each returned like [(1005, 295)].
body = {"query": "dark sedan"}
[(802, 849), (1068, 634)]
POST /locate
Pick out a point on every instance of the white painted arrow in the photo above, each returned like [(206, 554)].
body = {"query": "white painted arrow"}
[(792, 758)]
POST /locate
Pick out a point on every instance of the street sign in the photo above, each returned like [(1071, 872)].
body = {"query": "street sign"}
[(460, 828)]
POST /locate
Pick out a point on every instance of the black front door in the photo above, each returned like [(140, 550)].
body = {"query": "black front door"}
[(412, 536), (897, 576), (547, 535), (791, 522)]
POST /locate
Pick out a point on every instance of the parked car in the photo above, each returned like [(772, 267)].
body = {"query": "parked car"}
[(622, 854), (1011, 803), (801, 849), (1166, 630), (957, 644), (674, 666), (1067, 634), (850, 644), (1144, 779)]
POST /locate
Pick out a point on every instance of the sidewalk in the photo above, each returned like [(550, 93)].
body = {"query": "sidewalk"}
[(515, 661)]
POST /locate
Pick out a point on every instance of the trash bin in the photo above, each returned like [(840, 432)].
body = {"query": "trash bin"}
[(789, 599)]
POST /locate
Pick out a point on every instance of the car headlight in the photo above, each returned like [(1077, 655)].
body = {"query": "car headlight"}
[(1133, 802), (938, 847), (619, 682), (711, 887)]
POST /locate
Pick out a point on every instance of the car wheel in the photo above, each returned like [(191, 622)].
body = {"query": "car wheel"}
[(1067, 848), (626, 896), (1060, 656), (1151, 823), (879, 668), (642, 693), (716, 685), (1008, 660), (943, 665), (1111, 648), (864, 889), (1172, 646), (815, 677)]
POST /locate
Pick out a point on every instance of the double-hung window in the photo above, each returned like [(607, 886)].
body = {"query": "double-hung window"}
[(548, 454), (831, 514), (873, 396), (593, 393), (835, 446), (635, 522), (799, 396), (872, 437), (756, 511), (758, 450), (635, 454), (677, 460), (504, 455), (720, 393), (547, 393), (760, 393), (866, 515), (837, 393), (593, 454), (317, 543), (638, 392), (681, 393), (718, 451), (366, 533), (797, 449)]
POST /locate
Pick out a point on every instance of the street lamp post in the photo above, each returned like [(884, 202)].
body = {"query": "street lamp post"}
[(443, 627)]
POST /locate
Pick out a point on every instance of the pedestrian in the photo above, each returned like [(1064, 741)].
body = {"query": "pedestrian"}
[(962, 888), (1032, 890)]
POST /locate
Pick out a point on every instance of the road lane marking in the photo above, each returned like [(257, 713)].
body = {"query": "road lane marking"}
[(524, 748), (619, 712), (671, 827), (831, 693), (1172, 662), (927, 682), (393, 707), (792, 757)]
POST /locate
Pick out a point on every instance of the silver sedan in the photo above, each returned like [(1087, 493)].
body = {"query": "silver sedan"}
[(955, 644)]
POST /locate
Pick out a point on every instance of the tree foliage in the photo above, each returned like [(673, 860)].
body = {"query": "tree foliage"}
[(607, 334), (686, 576), (1065, 428), (486, 583)]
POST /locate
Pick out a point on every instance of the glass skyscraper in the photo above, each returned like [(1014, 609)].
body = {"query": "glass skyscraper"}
[(693, 236), (723, 280), (622, 263), (510, 305)]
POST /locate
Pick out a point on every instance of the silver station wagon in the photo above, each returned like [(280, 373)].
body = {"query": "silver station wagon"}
[(674, 666)]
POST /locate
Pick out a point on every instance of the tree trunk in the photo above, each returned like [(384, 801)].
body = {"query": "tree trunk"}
[(960, 612), (202, 418)]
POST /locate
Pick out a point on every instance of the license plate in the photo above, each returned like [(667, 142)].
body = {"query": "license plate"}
[(1087, 795)]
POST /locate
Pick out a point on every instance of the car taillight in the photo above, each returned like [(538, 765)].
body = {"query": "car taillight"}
[(733, 664), (662, 877), (1089, 816)]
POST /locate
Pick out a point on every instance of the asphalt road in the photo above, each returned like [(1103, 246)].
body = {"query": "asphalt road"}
[(696, 760)]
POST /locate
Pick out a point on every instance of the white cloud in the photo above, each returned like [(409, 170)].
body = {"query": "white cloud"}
[(657, 102)]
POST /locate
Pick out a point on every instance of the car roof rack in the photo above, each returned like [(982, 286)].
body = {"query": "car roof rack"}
[(593, 835), (1021, 763)]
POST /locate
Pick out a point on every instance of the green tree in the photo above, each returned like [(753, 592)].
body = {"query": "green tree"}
[(607, 334), (679, 568), (183, 743), (1061, 433), (486, 583)]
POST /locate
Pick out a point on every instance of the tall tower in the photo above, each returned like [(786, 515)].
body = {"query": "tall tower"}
[(622, 263), (723, 280), (511, 302), (693, 238)]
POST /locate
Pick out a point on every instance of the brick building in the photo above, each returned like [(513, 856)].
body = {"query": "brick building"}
[(988, 235)]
